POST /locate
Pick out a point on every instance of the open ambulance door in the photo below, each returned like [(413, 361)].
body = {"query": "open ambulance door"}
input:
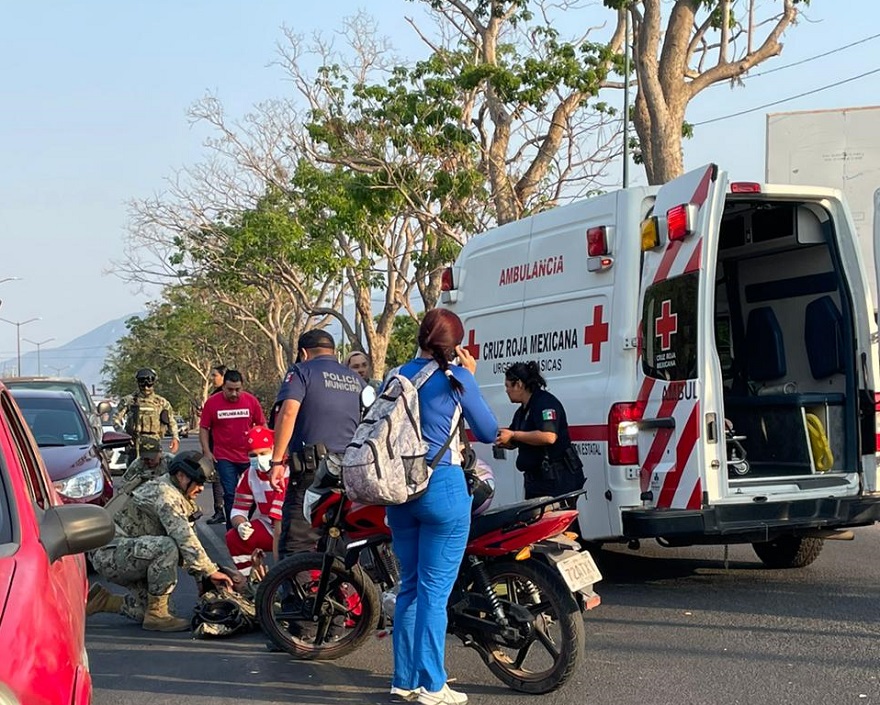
[(680, 434)]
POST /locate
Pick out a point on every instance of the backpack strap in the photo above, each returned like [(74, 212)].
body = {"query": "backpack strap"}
[(456, 427), (424, 374)]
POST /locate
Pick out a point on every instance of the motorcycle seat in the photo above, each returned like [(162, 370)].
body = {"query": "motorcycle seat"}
[(511, 514)]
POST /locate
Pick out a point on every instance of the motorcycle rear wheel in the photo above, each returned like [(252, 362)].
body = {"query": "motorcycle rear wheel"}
[(557, 632), (284, 602)]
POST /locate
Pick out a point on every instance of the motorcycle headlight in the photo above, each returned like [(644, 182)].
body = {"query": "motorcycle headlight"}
[(84, 484), (310, 500)]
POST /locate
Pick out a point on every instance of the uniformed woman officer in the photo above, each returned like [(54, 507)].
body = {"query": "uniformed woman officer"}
[(539, 431)]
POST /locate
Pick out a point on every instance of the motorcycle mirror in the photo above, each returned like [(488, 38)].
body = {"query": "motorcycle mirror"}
[(368, 397)]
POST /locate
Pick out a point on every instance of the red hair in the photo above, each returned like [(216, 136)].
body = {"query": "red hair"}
[(440, 333)]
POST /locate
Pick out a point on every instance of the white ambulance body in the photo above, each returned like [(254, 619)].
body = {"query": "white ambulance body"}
[(658, 314)]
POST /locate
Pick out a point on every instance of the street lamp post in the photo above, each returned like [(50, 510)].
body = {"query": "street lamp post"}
[(39, 345), (18, 325)]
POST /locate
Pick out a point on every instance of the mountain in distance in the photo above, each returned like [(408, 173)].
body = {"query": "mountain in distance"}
[(82, 357)]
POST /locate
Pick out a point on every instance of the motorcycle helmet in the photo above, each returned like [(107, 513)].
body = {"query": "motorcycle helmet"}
[(481, 485), (189, 462), (145, 377)]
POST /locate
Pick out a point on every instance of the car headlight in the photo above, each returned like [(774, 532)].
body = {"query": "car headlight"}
[(84, 484)]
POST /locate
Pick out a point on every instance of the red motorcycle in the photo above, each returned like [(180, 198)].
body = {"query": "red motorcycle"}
[(518, 598)]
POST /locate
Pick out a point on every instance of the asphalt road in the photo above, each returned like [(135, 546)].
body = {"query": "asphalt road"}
[(675, 627)]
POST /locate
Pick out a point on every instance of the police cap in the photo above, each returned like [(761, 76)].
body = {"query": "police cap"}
[(315, 338), (189, 462)]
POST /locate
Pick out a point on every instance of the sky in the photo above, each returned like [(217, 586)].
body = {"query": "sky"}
[(94, 114)]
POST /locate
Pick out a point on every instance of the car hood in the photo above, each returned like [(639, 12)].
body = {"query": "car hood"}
[(65, 461)]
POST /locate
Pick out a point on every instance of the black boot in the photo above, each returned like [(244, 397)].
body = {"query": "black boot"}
[(218, 518)]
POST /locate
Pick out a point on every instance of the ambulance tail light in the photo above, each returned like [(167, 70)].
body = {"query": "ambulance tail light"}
[(745, 187), (597, 241), (681, 221), (448, 292), (623, 432)]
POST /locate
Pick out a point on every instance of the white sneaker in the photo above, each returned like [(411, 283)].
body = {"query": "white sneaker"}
[(404, 693), (444, 696)]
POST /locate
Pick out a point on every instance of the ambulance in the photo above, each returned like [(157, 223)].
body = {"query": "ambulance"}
[(714, 347)]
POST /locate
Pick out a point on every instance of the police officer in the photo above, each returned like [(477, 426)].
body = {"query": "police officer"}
[(145, 414), (318, 411), (539, 430), (151, 462), (154, 534)]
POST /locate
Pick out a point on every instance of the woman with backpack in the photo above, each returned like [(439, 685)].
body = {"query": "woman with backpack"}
[(430, 532)]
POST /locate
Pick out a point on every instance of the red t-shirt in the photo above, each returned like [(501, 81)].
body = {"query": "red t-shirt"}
[(228, 423)]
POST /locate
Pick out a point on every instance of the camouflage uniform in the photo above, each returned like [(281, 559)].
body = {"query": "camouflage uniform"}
[(137, 474), (145, 415), (153, 536)]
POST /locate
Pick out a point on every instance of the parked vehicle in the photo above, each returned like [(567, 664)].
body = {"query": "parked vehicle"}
[(75, 458), (42, 574), (517, 600), (182, 427), (116, 457), (76, 387), (661, 315)]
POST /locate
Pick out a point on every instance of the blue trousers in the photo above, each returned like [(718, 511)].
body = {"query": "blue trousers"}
[(229, 473), (430, 534)]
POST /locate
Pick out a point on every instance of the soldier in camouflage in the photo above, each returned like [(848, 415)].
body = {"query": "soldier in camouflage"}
[(151, 463), (145, 414), (154, 534)]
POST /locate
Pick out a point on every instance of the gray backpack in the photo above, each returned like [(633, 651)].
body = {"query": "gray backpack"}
[(386, 463)]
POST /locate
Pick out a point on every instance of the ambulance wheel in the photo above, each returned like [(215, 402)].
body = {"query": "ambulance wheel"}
[(789, 551)]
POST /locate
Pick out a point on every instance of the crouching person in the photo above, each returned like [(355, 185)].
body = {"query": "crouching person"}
[(255, 494), (155, 534)]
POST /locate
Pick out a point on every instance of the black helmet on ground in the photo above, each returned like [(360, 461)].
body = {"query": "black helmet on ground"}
[(145, 375), (189, 462)]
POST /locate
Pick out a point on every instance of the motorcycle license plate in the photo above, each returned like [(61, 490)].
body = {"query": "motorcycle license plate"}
[(579, 571)]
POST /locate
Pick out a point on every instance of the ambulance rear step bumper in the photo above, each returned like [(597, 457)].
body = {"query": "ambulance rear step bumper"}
[(747, 523)]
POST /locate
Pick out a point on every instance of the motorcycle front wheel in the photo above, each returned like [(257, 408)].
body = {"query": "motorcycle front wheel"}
[(550, 642), (288, 612)]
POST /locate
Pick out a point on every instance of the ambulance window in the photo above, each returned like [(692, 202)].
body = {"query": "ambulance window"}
[(723, 345), (670, 330)]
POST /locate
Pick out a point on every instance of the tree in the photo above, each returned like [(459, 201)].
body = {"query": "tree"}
[(704, 42)]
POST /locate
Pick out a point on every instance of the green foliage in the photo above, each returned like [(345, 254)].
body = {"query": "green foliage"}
[(403, 343)]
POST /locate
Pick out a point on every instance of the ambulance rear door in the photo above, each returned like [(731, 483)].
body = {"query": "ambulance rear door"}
[(679, 373)]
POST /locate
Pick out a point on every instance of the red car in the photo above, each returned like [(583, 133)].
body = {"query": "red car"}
[(75, 459), (42, 574)]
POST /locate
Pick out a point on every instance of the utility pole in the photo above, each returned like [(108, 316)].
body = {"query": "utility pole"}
[(39, 345), (18, 325), (626, 99)]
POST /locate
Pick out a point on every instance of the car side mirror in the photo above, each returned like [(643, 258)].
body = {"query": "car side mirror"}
[(114, 439), (104, 407), (75, 528)]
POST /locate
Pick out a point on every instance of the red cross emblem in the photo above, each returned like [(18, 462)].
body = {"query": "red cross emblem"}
[(666, 325), (473, 347), (596, 333)]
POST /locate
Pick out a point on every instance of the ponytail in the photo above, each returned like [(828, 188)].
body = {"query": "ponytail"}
[(439, 356)]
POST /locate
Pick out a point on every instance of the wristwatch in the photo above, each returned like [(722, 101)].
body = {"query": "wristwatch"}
[(273, 463)]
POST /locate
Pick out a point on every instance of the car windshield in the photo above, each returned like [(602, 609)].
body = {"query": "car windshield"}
[(54, 421), (79, 393)]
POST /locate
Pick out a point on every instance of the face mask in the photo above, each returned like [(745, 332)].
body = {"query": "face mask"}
[(261, 462)]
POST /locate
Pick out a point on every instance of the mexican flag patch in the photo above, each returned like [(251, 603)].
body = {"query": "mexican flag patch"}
[(548, 415)]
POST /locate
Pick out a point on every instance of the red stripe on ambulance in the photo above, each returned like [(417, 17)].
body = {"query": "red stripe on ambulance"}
[(683, 450)]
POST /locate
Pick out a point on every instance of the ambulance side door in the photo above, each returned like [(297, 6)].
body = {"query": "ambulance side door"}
[(679, 372)]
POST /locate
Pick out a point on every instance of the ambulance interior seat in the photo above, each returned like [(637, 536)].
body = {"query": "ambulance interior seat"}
[(823, 337), (772, 424)]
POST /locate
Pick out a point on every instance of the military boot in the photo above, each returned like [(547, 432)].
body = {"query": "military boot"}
[(159, 619), (102, 600)]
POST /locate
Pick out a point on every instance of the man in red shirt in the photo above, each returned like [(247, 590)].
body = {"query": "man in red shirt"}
[(226, 419)]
